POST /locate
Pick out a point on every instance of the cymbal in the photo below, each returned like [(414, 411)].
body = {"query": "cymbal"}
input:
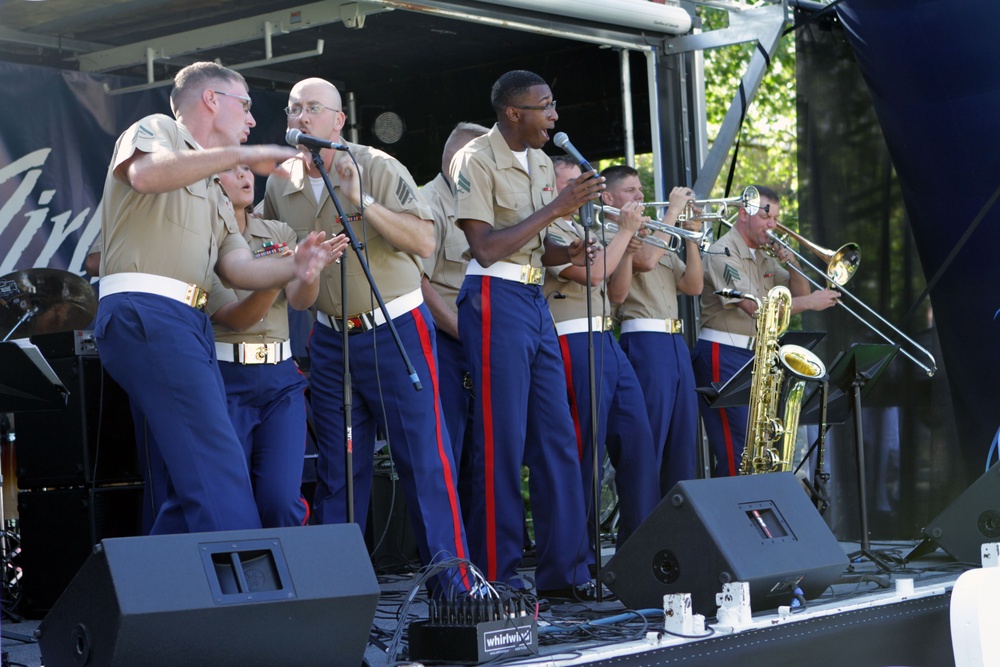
[(41, 301)]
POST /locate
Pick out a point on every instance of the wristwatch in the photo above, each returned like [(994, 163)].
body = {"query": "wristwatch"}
[(366, 200)]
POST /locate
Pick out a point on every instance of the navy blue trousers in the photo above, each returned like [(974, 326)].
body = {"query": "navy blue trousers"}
[(383, 398), (726, 428), (662, 363), (162, 353), (521, 417), (267, 407), (622, 424)]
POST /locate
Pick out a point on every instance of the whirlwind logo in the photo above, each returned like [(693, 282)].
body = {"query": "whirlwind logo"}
[(84, 226)]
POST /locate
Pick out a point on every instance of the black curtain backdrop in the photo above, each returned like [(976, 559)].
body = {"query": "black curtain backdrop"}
[(57, 131), (898, 152)]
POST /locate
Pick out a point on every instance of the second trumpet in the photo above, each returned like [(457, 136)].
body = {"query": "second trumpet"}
[(677, 234)]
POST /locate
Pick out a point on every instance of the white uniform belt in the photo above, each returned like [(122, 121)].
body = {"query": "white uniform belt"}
[(726, 338), (519, 273), (368, 321), (667, 325), (580, 325), (149, 283), (253, 353)]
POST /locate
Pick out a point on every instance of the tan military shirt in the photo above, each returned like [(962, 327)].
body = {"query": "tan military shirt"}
[(383, 177), (653, 294), (741, 271), (493, 186), (572, 301), (178, 234), (274, 327), (446, 267)]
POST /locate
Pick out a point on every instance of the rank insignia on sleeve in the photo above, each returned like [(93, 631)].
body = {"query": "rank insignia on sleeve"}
[(404, 193), (145, 132), (730, 274), (557, 238), (463, 184)]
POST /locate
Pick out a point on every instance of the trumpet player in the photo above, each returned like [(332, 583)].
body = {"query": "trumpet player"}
[(622, 424), (742, 260), (652, 334)]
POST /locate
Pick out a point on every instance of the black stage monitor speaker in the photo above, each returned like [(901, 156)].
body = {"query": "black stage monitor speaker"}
[(281, 596), (760, 529), (969, 522)]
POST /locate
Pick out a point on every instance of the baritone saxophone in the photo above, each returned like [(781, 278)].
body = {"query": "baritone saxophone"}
[(770, 438)]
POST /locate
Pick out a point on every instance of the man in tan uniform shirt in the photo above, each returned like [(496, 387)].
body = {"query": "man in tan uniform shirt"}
[(444, 272), (167, 225), (387, 214), (738, 261)]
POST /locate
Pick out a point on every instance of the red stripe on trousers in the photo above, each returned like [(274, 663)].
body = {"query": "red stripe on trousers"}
[(726, 431), (447, 476), (489, 471), (571, 392)]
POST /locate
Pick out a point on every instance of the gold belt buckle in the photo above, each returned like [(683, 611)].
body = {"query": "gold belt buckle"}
[(360, 323), (608, 324), (675, 326), (196, 297), (531, 275), (255, 353)]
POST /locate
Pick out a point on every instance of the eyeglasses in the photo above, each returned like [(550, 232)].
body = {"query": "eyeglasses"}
[(547, 108), (312, 109), (247, 102)]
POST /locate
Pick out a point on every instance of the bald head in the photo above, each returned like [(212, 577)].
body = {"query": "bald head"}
[(315, 89)]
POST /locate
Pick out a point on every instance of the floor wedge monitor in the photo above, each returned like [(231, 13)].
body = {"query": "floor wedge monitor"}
[(760, 529), (972, 520), (303, 596)]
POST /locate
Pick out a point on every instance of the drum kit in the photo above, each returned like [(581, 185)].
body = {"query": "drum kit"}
[(32, 302)]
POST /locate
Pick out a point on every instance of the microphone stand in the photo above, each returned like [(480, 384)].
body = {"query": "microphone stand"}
[(587, 222), (348, 401)]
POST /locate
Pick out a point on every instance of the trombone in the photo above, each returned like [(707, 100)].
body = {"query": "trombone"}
[(841, 266), (677, 234)]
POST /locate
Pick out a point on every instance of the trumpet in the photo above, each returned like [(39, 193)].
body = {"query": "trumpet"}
[(677, 234), (712, 210)]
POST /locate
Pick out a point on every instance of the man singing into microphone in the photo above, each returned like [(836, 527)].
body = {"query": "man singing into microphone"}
[(395, 224), (506, 200)]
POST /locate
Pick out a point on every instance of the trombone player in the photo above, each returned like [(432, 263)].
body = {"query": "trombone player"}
[(742, 260)]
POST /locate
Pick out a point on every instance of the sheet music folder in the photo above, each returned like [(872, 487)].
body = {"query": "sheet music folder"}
[(864, 360), (736, 391), (28, 381)]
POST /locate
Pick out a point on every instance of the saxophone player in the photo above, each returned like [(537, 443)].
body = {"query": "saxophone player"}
[(739, 260)]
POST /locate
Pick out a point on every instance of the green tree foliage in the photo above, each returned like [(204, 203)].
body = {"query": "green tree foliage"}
[(767, 151)]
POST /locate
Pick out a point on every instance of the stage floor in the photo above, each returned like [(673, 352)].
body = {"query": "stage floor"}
[(870, 616)]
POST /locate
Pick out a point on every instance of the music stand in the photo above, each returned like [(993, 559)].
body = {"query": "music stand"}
[(735, 391), (852, 377), (28, 382)]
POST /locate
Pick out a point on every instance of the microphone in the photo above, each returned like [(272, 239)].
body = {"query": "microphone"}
[(562, 141), (724, 251), (733, 294), (298, 138)]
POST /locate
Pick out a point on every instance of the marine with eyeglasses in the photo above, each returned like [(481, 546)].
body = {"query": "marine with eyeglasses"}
[(167, 227), (395, 225)]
